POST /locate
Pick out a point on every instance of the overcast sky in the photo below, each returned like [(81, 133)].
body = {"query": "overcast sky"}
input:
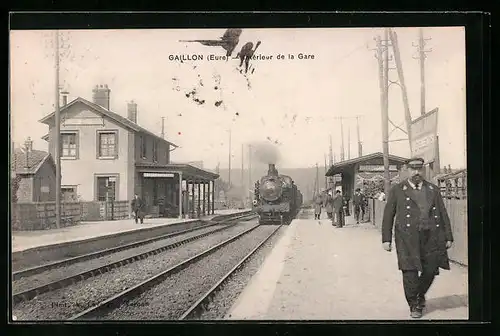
[(293, 102)]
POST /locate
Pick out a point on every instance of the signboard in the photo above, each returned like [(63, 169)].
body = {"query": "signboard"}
[(376, 168), (423, 136), (45, 189), (89, 121), (169, 175), (112, 179)]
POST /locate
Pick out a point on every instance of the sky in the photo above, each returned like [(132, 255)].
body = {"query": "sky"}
[(291, 103)]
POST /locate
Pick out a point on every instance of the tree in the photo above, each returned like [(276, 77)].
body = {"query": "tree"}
[(14, 187)]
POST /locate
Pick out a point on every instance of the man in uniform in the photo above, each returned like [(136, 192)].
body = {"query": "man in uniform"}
[(138, 205), (338, 210), (422, 233)]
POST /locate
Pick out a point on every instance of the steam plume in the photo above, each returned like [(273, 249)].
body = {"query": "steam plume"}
[(265, 152)]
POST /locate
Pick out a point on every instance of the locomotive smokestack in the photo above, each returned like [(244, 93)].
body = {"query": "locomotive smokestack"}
[(272, 171)]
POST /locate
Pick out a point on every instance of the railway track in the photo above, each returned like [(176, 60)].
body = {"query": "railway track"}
[(99, 310), (197, 309), (29, 294)]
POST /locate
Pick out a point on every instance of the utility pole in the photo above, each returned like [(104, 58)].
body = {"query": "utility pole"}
[(229, 158), (57, 137), (243, 172), (421, 57), (316, 184), (360, 146), (331, 157), (163, 127), (383, 62), (342, 150), (326, 177), (250, 172), (399, 66), (348, 142)]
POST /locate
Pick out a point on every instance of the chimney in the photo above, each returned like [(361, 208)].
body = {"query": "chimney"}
[(101, 95), (28, 147), (64, 95), (272, 171), (132, 111)]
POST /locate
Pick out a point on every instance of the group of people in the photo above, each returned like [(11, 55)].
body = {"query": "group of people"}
[(337, 206)]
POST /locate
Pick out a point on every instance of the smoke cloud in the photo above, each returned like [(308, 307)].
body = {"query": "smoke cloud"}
[(265, 152)]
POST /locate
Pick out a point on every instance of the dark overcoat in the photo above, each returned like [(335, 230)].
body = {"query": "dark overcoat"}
[(138, 206), (402, 206), (338, 203)]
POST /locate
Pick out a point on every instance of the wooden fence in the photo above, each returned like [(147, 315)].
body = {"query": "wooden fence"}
[(457, 211), (41, 216)]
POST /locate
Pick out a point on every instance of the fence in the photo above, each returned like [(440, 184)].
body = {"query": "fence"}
[(41, 216), (457, 211)]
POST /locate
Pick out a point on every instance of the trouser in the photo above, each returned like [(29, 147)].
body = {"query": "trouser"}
[(317, 215), (415, 285), (330, 215), (359, 208), (339, 218), (138, 215)]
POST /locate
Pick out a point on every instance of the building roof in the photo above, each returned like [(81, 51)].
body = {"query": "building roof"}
[(112, 115), (35, 159), (188, 172), (454, 174), (341, 166)]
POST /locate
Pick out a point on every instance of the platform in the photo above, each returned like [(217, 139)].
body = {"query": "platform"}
[(319, 272), (24, 240)]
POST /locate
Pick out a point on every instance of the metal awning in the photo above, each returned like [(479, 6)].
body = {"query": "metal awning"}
[(188, 172), (349, 164)]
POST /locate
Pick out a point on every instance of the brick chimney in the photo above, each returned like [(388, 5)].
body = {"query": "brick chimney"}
[(64, 95), (101, 95), (28, 148), (132, 111)]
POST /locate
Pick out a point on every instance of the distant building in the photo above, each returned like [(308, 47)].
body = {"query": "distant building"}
[(36, 174), (105, 156)]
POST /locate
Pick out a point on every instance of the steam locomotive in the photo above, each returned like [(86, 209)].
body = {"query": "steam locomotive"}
[(277, 200)]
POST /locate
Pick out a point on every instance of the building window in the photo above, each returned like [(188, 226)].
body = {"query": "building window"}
[(106, 188), (155, 151), (107, 144), (68, 193), (69, 145), (143, 147), (155, 193)]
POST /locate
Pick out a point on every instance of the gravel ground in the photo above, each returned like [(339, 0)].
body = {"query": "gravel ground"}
[(223, 300), (171, 298), (59, 273), (65, 302)]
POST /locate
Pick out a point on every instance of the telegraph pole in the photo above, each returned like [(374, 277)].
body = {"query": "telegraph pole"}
[(229, 158), (360, 148), (57, 137), (342, 150), (399, 66), (163, 127), (326, 177), (421, 57), (383, 61), (348, 142), (250, 172), (243, 172)]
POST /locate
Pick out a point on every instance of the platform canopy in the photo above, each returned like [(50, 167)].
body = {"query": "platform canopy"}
[(370, 159), (189, 173)]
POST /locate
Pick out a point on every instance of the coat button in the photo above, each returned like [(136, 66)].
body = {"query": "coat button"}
[(408, 216), (435, 216), (407, 224), (407, 207), (437, 225), (407, 198), (434, 208)]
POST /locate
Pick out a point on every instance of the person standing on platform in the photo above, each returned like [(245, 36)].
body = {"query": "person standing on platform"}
[(338, 210), (358, 201), (328, 205), (138, 209), (318, 201), (422, 233)]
